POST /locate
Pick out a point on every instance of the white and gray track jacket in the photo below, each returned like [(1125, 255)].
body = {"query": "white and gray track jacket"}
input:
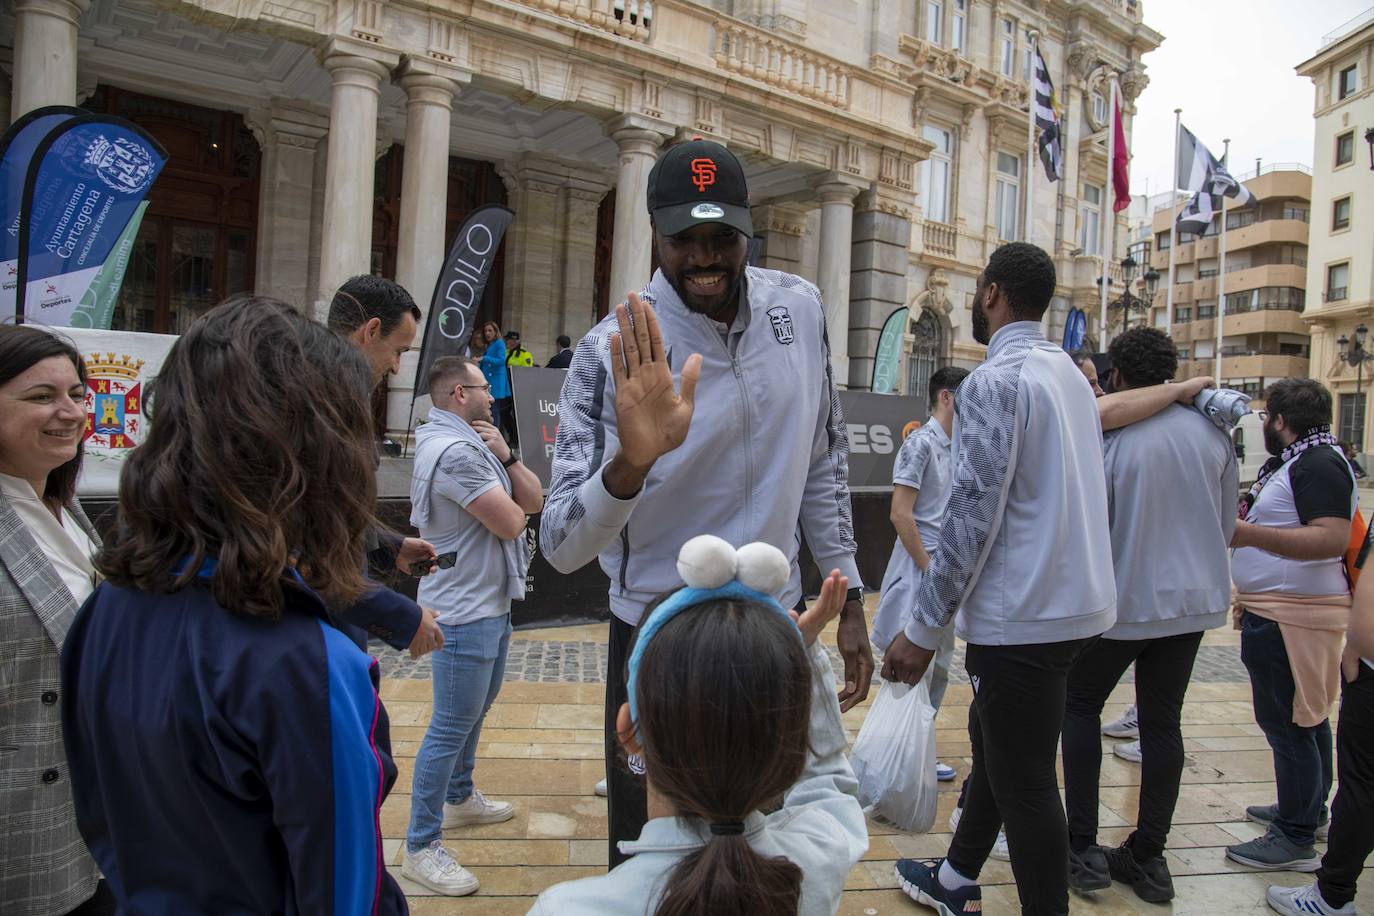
[(1023, 552), (767, 448)]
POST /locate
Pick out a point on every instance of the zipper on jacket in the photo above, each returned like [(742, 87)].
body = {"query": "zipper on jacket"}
[(748, 450), (624, 556)]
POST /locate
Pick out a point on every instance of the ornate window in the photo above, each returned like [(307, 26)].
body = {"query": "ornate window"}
[(926, 350)]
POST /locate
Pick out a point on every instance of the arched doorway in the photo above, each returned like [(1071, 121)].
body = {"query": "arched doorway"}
[(927, 346)]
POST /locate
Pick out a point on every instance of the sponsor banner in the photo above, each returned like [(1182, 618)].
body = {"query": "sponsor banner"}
[(87, 180), (16, 153), (888, 359), (119, 365), (96, 309), (458, 291), (877, 424)]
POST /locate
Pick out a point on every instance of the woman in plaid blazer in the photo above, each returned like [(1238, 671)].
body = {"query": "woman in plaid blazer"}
[(46, 571)]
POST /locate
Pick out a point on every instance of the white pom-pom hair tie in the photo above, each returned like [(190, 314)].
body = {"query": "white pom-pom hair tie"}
[(713, 571)]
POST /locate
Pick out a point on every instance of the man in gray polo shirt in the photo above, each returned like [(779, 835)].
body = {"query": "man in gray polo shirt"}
[(469, 497), (1171, 492), (921, 477)]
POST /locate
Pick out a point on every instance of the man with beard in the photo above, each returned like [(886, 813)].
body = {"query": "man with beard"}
[(1293, 600), (1021, 558), (752, 444)]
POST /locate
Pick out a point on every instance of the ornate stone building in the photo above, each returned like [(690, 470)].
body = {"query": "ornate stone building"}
[(311, 140)]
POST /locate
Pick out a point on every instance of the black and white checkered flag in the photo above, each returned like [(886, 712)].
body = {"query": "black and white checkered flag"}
[(1047, 121), (1197, 170)]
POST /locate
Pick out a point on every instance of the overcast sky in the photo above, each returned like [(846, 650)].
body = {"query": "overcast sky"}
[(1229, 65)]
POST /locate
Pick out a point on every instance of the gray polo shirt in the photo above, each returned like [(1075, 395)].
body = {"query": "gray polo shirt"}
[(923, 463), (1171, 495), (475, 587)]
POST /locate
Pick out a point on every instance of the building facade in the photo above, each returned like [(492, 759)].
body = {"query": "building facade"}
[(1340, 267), (311, 140), (1264, 336)]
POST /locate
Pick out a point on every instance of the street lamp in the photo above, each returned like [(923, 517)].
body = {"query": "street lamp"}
[(1369, 138), (1355, 356), (1128, 301)]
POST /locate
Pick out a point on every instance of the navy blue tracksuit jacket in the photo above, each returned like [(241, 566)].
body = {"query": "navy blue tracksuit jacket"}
[(226, 764)]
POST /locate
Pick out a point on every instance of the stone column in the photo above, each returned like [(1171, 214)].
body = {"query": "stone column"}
[(837, 194), (421, 247), (779, 229), (289, 136), (639, 141), (346, 244), (878, 285), (534, 251), (44, 53), (576, 293)]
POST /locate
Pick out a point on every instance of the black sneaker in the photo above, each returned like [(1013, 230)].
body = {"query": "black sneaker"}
[(920, 880), (1088, 870), (1150, 879)]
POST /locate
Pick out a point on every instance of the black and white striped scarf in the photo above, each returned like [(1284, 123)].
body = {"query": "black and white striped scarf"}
[(1318, 435)]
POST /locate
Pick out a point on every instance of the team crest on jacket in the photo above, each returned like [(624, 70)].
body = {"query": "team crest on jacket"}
[(781, 321)]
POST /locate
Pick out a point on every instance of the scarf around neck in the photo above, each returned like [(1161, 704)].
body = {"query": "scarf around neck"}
[(1318, 435)]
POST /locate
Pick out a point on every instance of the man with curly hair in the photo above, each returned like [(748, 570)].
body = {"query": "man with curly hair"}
[(1171, 488)]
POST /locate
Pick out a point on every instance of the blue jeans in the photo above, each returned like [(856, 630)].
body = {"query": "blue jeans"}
[(467, 677), (1302, 756)]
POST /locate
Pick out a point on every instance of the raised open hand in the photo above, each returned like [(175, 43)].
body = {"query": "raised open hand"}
[(652, 416), (825, 608)]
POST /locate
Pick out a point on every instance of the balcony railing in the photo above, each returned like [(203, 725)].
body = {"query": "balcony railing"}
[(626, 18), (759, 55), (1295, 352), (939, 238), (1335, 294), (1281, 259)]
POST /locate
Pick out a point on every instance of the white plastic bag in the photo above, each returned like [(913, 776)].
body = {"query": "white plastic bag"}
[(894, 757)]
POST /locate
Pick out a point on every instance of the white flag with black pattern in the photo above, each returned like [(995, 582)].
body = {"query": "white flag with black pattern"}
[(1049, 136), (1197, 170)]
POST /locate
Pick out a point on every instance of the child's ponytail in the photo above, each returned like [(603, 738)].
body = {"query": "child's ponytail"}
[(726, 877)]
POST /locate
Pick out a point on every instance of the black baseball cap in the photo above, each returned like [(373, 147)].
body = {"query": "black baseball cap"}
[(699, 182)]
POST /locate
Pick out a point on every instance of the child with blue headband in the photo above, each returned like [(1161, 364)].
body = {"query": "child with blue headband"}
[(732, 705)]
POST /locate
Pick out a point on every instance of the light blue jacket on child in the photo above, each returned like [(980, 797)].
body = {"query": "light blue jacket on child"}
[(820, 828)]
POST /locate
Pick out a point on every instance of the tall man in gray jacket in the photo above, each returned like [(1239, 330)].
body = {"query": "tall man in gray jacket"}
[(1021, 558), (1172, 484), (752, 443)]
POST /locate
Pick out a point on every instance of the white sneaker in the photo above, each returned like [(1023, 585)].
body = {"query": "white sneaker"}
[(435, 868), (1304, 901), (600, 788), (999, 849), (1128, 726), (1128, 751), (476, 809)]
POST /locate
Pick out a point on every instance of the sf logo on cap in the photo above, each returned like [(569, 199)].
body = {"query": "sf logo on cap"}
[(703, 173)]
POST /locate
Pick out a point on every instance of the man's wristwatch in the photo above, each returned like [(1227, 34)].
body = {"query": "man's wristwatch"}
[(511, 460), (854, 594)]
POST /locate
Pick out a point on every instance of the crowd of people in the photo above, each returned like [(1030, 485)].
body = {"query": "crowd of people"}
[(193, 724)]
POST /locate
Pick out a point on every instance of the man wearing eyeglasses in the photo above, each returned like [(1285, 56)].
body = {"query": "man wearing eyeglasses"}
[(469, 497)]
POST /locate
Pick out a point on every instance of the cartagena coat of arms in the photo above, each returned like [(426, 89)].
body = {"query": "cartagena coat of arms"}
[(114, 401)]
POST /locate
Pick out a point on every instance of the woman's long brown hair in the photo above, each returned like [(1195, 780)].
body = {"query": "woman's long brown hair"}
[(724, 693), (260, 451)]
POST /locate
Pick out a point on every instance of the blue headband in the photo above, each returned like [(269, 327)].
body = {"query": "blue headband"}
[(680, 601)]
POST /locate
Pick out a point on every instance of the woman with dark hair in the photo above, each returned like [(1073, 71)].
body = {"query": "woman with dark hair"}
[(732, 705), (228, 749), (47, 547)]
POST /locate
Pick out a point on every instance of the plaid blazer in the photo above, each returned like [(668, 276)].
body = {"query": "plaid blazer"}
[(44, 866)]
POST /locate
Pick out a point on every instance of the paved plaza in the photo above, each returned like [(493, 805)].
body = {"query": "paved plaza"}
[(541, 750)]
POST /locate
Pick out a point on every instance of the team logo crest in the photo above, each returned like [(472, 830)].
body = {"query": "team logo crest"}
[(703, 174), (781, 321), (114, 401), (123, 165)]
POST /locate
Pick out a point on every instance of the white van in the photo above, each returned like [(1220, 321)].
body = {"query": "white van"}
[(1248, 437)]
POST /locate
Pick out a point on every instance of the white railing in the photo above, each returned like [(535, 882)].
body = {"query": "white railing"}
[(939, 238), (759, 55), (1344, 29), (627, 18)]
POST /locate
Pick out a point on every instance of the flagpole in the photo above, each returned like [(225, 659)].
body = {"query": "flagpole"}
[(1108, 202), (1221, 264), (1173, 228), (1030, 140)]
